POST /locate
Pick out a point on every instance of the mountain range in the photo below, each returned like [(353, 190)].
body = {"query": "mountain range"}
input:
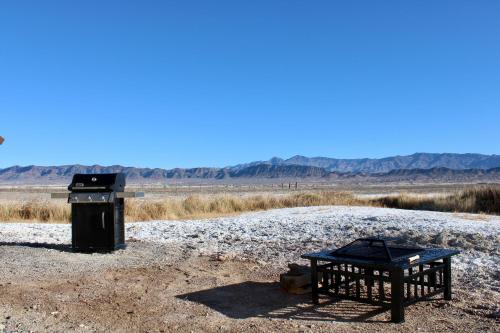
[(378, 165), (419, 167)]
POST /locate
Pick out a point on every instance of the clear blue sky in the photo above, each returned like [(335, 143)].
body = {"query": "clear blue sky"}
[(215, 83)]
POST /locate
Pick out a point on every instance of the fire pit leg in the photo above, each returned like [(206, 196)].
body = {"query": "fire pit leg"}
[(447, 278), (314, 281), (397, 295)]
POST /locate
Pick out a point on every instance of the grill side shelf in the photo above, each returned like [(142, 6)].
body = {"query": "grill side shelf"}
[(59, 195), (64, 195), (129, 194)]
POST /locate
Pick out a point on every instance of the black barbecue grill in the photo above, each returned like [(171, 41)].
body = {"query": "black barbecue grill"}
[(97, 211), (360, 271)]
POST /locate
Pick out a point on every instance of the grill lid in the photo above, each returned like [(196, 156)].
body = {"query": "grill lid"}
[(375, 249), (98, 182)]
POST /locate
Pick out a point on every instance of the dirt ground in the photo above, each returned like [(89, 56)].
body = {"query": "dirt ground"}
[(160, 288)]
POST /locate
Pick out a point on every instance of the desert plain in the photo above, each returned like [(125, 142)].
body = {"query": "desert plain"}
[(220, 274)]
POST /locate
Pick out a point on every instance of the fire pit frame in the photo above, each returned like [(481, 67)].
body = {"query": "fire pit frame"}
[(355, 279)]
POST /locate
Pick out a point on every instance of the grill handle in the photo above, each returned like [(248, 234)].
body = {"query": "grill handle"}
[(102, 220)]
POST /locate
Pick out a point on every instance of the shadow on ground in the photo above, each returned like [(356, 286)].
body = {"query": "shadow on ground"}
[(268, 300), (58, 247)]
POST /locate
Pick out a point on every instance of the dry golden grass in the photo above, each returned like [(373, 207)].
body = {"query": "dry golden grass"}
[(220, 205), (42, 211), (193, 206), (478, 199), (483, 199)]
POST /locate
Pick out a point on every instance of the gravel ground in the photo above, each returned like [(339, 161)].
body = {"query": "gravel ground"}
[(33, 251), (282, 235)]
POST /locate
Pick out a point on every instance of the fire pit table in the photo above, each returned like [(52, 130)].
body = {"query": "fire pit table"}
[(359, 270)]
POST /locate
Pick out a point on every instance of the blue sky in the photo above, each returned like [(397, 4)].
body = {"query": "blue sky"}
[(215, 83)]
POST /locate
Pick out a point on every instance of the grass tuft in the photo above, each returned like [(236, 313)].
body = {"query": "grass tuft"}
[(42, 211)]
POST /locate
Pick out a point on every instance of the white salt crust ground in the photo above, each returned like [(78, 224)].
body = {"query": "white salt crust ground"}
[(281, 236)]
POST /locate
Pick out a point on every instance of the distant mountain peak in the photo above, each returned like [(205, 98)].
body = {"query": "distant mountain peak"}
[(276, 160)]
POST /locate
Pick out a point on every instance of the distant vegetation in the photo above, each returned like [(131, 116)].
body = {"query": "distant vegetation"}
[(479, 199)]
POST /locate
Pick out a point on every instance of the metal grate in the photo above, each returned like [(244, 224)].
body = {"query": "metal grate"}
[(375, 249)]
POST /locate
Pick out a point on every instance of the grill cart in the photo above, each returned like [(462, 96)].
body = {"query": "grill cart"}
[(359, 270), (97, 211)]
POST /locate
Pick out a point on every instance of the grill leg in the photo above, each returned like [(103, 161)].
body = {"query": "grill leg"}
[(397, 294), (447, 278), (314, 281)]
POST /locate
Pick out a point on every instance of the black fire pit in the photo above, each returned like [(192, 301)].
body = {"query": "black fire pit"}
[(359, 270)]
